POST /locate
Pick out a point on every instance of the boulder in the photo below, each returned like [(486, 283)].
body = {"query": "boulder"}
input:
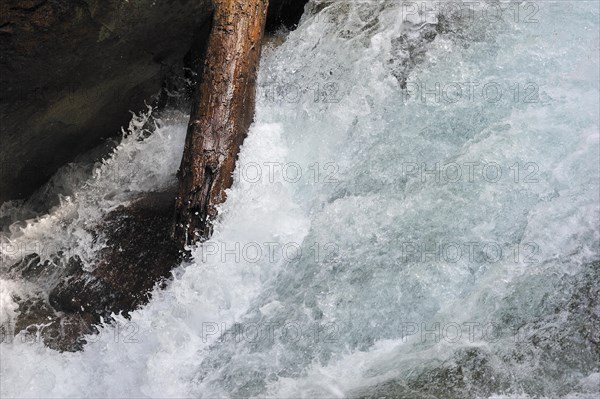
[(139, 254)]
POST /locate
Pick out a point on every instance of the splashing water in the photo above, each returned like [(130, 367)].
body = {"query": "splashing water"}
[(415, 214)]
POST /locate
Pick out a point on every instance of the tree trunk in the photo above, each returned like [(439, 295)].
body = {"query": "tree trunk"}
[(220, 117)]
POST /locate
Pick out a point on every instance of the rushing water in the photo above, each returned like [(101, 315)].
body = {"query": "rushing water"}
[(436, 240)]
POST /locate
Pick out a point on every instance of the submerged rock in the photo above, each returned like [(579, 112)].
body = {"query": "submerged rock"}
[(467, 374), (564, 334), (139, 254)]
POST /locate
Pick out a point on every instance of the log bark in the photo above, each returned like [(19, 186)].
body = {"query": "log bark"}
[(220, 117)]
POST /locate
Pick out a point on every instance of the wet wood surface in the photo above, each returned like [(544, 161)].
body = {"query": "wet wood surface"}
[(221, 115)]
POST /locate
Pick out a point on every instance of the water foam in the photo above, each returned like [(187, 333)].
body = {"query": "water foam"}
[(342, 312)]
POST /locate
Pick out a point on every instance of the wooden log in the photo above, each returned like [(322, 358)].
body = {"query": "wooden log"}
[(220, 117)]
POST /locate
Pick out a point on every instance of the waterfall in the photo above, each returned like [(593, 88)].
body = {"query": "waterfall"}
[(414, 214)]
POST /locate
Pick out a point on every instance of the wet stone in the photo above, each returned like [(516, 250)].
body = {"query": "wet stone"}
[(139, 254)]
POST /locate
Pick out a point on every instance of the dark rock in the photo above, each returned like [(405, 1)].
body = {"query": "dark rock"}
[(71, 70), (139, 253), (44, 273), (285, 13), (59, 331)]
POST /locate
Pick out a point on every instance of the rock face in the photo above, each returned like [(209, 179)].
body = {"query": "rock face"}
[(71, 70)]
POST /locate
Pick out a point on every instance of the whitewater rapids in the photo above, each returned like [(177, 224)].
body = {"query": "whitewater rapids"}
[(394, 215)]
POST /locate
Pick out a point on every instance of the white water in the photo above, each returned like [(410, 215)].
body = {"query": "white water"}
[(364, 223)]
